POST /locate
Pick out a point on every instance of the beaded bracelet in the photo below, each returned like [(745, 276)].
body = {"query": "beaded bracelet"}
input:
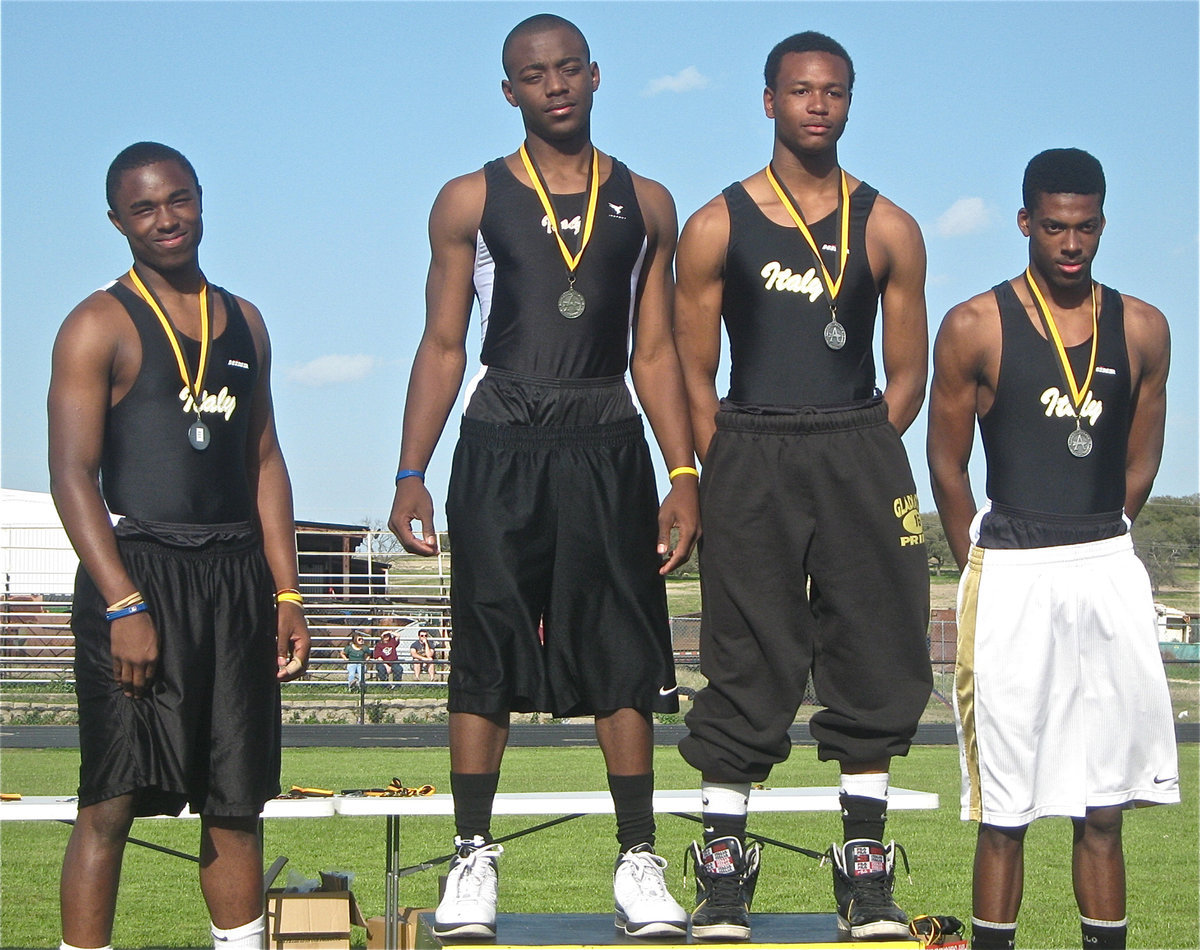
[(683, 470), (111, 615), (410, 473)]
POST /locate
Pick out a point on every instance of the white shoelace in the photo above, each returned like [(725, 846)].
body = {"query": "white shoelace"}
[(647, 869), (476, 869)]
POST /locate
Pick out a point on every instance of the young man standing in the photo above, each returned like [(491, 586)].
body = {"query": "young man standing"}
[(813, 555), (186, 616), (1061, 701), (552, 508)]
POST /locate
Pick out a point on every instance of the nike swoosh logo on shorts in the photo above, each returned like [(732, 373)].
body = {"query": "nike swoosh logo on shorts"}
[(666, 692), (1163, 781)]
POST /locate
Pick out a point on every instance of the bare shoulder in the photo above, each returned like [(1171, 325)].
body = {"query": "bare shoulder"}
[(1145, 320), (254, 320), (970, 331), (890, 222), (977, 314), (99, 320), (658, 209), (710, 222), (1147, 337), (458, 208), (252, 314)]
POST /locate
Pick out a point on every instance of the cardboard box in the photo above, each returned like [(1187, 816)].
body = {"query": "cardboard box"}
[(318, 920), (407, 931)]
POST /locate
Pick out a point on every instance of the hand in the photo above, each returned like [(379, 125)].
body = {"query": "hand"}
[(680, 510), (292, 641), (413, 503), (134, 645)]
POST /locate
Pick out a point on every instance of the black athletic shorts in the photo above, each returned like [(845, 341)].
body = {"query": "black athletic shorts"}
[(556, 598), (207, 735), (813, 559)]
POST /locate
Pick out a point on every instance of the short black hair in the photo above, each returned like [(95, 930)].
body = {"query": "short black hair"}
[(807, 42), (540, 23), (1057, 171), (139, 155)]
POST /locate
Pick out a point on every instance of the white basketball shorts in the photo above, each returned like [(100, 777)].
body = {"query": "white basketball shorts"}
[(1061, 701)]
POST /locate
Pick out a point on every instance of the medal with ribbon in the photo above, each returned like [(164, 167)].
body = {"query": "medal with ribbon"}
[(198, 434), (835, 333), (570, 302), (1079, 442)]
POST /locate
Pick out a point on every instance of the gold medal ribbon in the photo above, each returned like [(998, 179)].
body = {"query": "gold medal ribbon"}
[(544, 196), (831, 286), (205, 337), (1078, 394)]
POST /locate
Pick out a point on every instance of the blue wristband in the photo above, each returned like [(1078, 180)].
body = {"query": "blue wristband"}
[(410, 473), (112, 615)]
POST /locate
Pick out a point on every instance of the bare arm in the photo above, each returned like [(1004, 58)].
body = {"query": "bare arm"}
[(95, 351), (441, 358), (701, 279), (271, 488), (893, 235), (1149, 340), (657, 377), (954, 399)]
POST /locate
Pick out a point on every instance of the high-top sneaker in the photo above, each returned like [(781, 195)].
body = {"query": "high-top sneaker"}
[(644, 906), (726, 873), (468, 906), (863, 872)]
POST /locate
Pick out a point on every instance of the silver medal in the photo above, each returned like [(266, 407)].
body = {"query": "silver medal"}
[(1079, 443), (835, 335), (571, 303), (199, 436)]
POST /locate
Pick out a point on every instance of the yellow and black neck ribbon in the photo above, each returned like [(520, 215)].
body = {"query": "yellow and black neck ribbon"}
[(543, 193), (832, 287), (195, 388), (1078, 393)]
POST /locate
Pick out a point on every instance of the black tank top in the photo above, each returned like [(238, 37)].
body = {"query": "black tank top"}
[(775, 308), (1030, 471), (519, 275), (149, 470)]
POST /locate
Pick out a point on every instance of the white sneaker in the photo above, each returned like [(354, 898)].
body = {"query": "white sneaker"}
[(468, 906), (644, 906)]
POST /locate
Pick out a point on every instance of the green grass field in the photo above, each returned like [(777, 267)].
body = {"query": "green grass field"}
[(568, 868)]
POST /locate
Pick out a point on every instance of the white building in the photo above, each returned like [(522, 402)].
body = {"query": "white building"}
[(35, 554)]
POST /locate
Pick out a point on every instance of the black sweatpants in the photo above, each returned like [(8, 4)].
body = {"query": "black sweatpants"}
[(812, 557)]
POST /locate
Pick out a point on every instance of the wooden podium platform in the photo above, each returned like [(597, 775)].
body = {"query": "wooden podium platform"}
[(597, 931)]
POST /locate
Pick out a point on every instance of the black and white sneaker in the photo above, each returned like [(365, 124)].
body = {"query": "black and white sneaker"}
[(726, 873), (863, 872), (468, 905)]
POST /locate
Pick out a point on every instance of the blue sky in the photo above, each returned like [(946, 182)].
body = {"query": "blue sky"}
[(322, 131)]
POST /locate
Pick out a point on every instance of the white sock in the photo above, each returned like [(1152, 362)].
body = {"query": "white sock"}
[(722, 799), (66, 946), (866, 785), (246, 937)]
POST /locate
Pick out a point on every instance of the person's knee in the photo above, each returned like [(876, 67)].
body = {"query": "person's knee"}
[(1100, 824), (998, 840), (107, 821)]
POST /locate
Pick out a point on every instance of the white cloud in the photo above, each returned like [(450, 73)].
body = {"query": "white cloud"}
[(332, 369), (686, 80), (965, 216)]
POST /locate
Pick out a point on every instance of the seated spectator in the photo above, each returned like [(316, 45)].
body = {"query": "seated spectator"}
[(386, 658), (423, 657)]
